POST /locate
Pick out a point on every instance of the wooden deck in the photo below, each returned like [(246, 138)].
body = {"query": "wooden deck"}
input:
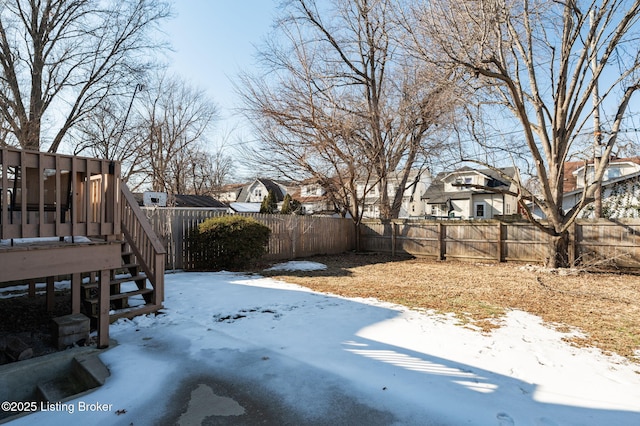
[(71, 216)]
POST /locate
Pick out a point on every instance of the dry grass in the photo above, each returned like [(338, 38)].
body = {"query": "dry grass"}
[(605, 307)]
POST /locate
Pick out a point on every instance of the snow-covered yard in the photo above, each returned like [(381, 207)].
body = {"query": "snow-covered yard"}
[(324, 357)]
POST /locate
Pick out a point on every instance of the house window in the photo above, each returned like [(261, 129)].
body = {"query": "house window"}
[(507, 208), (458, 181), (258, 193), (434, 210), (479, 210), (468, 181), (613, 173)]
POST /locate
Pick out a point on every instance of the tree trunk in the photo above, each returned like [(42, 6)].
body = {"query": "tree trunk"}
[(385, 210), (559, 251)]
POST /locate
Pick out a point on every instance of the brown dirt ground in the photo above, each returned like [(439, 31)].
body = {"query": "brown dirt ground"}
[(28, 319), (603, 306)]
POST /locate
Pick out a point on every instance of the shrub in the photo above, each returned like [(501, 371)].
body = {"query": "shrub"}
[(228, 242), (269, 204), (291, 206)]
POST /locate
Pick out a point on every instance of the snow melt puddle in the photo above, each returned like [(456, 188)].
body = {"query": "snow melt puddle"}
[(204, 403)]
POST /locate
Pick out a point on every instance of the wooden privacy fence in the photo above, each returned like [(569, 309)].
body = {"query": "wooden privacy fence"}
[(591, 241), (291, 236)]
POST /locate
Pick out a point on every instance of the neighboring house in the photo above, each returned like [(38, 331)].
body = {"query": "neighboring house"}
[(445, 198), (412, 206), (255, 191), (247, 198), (228, 193), (313, 198), (577, 173), (620, 187)]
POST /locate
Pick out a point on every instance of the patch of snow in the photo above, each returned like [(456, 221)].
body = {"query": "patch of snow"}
[(298, 265), (18, 241), (23, 289)]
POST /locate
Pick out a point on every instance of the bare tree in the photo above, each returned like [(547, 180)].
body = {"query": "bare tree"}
[(216, 171), (159, 135), (175, 120), (62, 58), (542, 61), (341, 103), (109, 132)]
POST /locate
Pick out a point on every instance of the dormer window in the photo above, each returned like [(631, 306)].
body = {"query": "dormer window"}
[(461, 181)]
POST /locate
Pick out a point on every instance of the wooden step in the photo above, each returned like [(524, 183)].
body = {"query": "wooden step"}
[(127, 279), (116, 281), (134, 312), (124, 295)]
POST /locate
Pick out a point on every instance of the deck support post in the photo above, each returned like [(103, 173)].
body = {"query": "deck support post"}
[(76, 284), (51, 294), (32, 288), (103, 309)]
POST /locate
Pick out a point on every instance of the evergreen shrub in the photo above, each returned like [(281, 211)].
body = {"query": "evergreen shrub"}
[(228, 242)]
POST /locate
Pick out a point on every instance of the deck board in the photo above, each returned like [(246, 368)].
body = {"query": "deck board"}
[(38, 259)]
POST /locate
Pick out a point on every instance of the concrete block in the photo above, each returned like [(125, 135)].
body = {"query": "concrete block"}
[(70, 329)]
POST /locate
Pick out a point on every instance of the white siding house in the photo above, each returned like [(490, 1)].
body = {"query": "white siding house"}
[(620, 188), (412, 206), (471, 194)]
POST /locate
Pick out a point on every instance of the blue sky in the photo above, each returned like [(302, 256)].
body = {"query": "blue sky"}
[(212, 41)]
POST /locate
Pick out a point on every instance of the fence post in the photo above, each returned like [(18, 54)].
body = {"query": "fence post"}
[(572, 252), (442, 245), (393, 238), (501, 233), (295, 231)]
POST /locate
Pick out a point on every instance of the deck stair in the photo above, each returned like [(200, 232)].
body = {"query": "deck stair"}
[(131, 292), (136, 287)]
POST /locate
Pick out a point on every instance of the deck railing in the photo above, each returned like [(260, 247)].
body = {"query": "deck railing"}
[(53, 195), (144, 243)]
